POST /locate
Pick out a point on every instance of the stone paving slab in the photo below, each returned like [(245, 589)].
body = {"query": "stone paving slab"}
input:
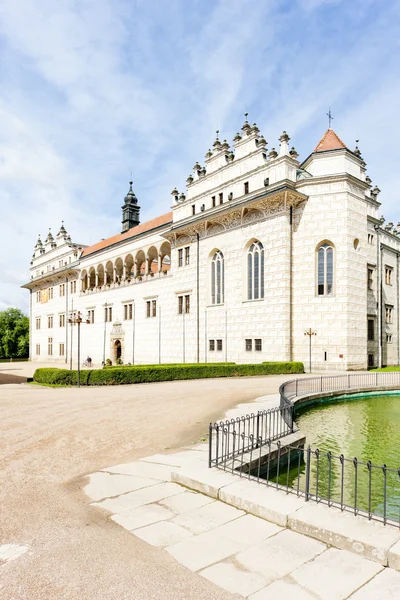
[(394, 556), (207, 517), (259, 500), (247, 530), (340, 573), (204, 480), (279, 555), (203, 550), (178, 459), (233, 579), (143, 469), (384, 586), (106, 485), (164, 533), (284, 589), (140, 497), (9, 552), (183, 503), (344, 530), (141, 516)]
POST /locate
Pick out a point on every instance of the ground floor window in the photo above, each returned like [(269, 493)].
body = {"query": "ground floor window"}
[(370, 360), (50, 346), (249, 345), (62, 349), (258, 345), (37, 349)]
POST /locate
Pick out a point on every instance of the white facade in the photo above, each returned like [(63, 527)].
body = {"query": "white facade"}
[(259, 250)]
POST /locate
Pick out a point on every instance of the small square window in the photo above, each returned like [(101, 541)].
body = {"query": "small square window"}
[(258, 345), (212, 345), (219, 345), (249, 345)]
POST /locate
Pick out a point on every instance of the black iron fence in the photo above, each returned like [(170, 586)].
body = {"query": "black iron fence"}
[(333, 383), (253, 447), (229, 439), (362, 488)]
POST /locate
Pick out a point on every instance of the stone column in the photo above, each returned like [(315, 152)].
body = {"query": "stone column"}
[(97, 279), (160, 262)]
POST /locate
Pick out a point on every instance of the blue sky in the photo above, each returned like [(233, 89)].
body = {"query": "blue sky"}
[(91, 90)]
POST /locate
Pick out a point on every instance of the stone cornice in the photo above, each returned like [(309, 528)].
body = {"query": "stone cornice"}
[(53, 277), (257, 209)]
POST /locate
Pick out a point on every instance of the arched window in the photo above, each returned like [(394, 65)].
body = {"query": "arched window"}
[(325, 269), (217, 278), (255, 271)]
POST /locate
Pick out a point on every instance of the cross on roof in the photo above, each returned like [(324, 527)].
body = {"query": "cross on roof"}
[(329, 115)]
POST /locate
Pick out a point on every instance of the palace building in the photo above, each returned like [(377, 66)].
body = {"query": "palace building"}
[(260, 249)]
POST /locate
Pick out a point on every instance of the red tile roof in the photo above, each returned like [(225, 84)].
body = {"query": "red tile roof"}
[(329, 141), (131, 233)]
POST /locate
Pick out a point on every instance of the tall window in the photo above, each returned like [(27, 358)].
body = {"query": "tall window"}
[(62, 289), (50, 346), (73, 287), (91, 315), (217, 278), (187, 255), (50, 322), (108, 313), (255, 271), (50, 293), (37, 322), (62, 320), (325, 270)]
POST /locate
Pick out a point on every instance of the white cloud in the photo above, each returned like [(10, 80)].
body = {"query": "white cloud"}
[(92, 89)]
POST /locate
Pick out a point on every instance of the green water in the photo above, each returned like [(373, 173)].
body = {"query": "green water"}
[(367, 428)]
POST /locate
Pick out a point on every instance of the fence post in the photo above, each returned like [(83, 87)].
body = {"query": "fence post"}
[(209, 445), (321, 383), (258, 427), (308, 467)]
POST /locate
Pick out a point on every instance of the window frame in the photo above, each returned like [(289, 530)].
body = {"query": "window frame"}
[(325, 247), (255, 271), (211, 345), (217, 278), (370, 331), (248, 343)]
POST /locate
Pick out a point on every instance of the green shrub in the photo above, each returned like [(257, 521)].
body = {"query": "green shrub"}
[(150, 373)]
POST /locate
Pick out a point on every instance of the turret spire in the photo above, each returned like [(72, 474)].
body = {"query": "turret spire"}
[(130, 210)]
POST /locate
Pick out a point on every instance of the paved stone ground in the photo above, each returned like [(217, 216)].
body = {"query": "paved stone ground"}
[(241, 553), (50, 438)]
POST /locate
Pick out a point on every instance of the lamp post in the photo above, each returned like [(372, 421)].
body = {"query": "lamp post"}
[(310, 333), (77, 318)]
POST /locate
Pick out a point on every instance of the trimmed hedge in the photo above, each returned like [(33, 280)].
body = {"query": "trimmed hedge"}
[(143, 374)]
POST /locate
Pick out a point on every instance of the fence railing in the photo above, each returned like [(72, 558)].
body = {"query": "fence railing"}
[(362, 488), (333, 383), (252, 447), (228, 439)]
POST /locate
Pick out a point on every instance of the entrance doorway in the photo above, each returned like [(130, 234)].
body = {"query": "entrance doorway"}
[(117, 350)]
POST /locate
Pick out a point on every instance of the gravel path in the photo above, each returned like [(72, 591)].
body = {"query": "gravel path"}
[(52, 438)]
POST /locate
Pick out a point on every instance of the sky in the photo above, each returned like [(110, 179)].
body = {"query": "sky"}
[(94, 90)]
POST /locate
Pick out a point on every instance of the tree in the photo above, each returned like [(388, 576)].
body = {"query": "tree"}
[(14, 334)]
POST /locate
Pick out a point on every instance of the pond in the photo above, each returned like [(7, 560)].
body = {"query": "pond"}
[(367, 428)]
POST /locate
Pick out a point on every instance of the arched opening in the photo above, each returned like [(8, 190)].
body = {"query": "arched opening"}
[(92, 278), (117, 350), (129, 266), (100, 275), (119, 269), (109, 272), (140, 260), (152, 260), (84, 281), (165, 254)]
